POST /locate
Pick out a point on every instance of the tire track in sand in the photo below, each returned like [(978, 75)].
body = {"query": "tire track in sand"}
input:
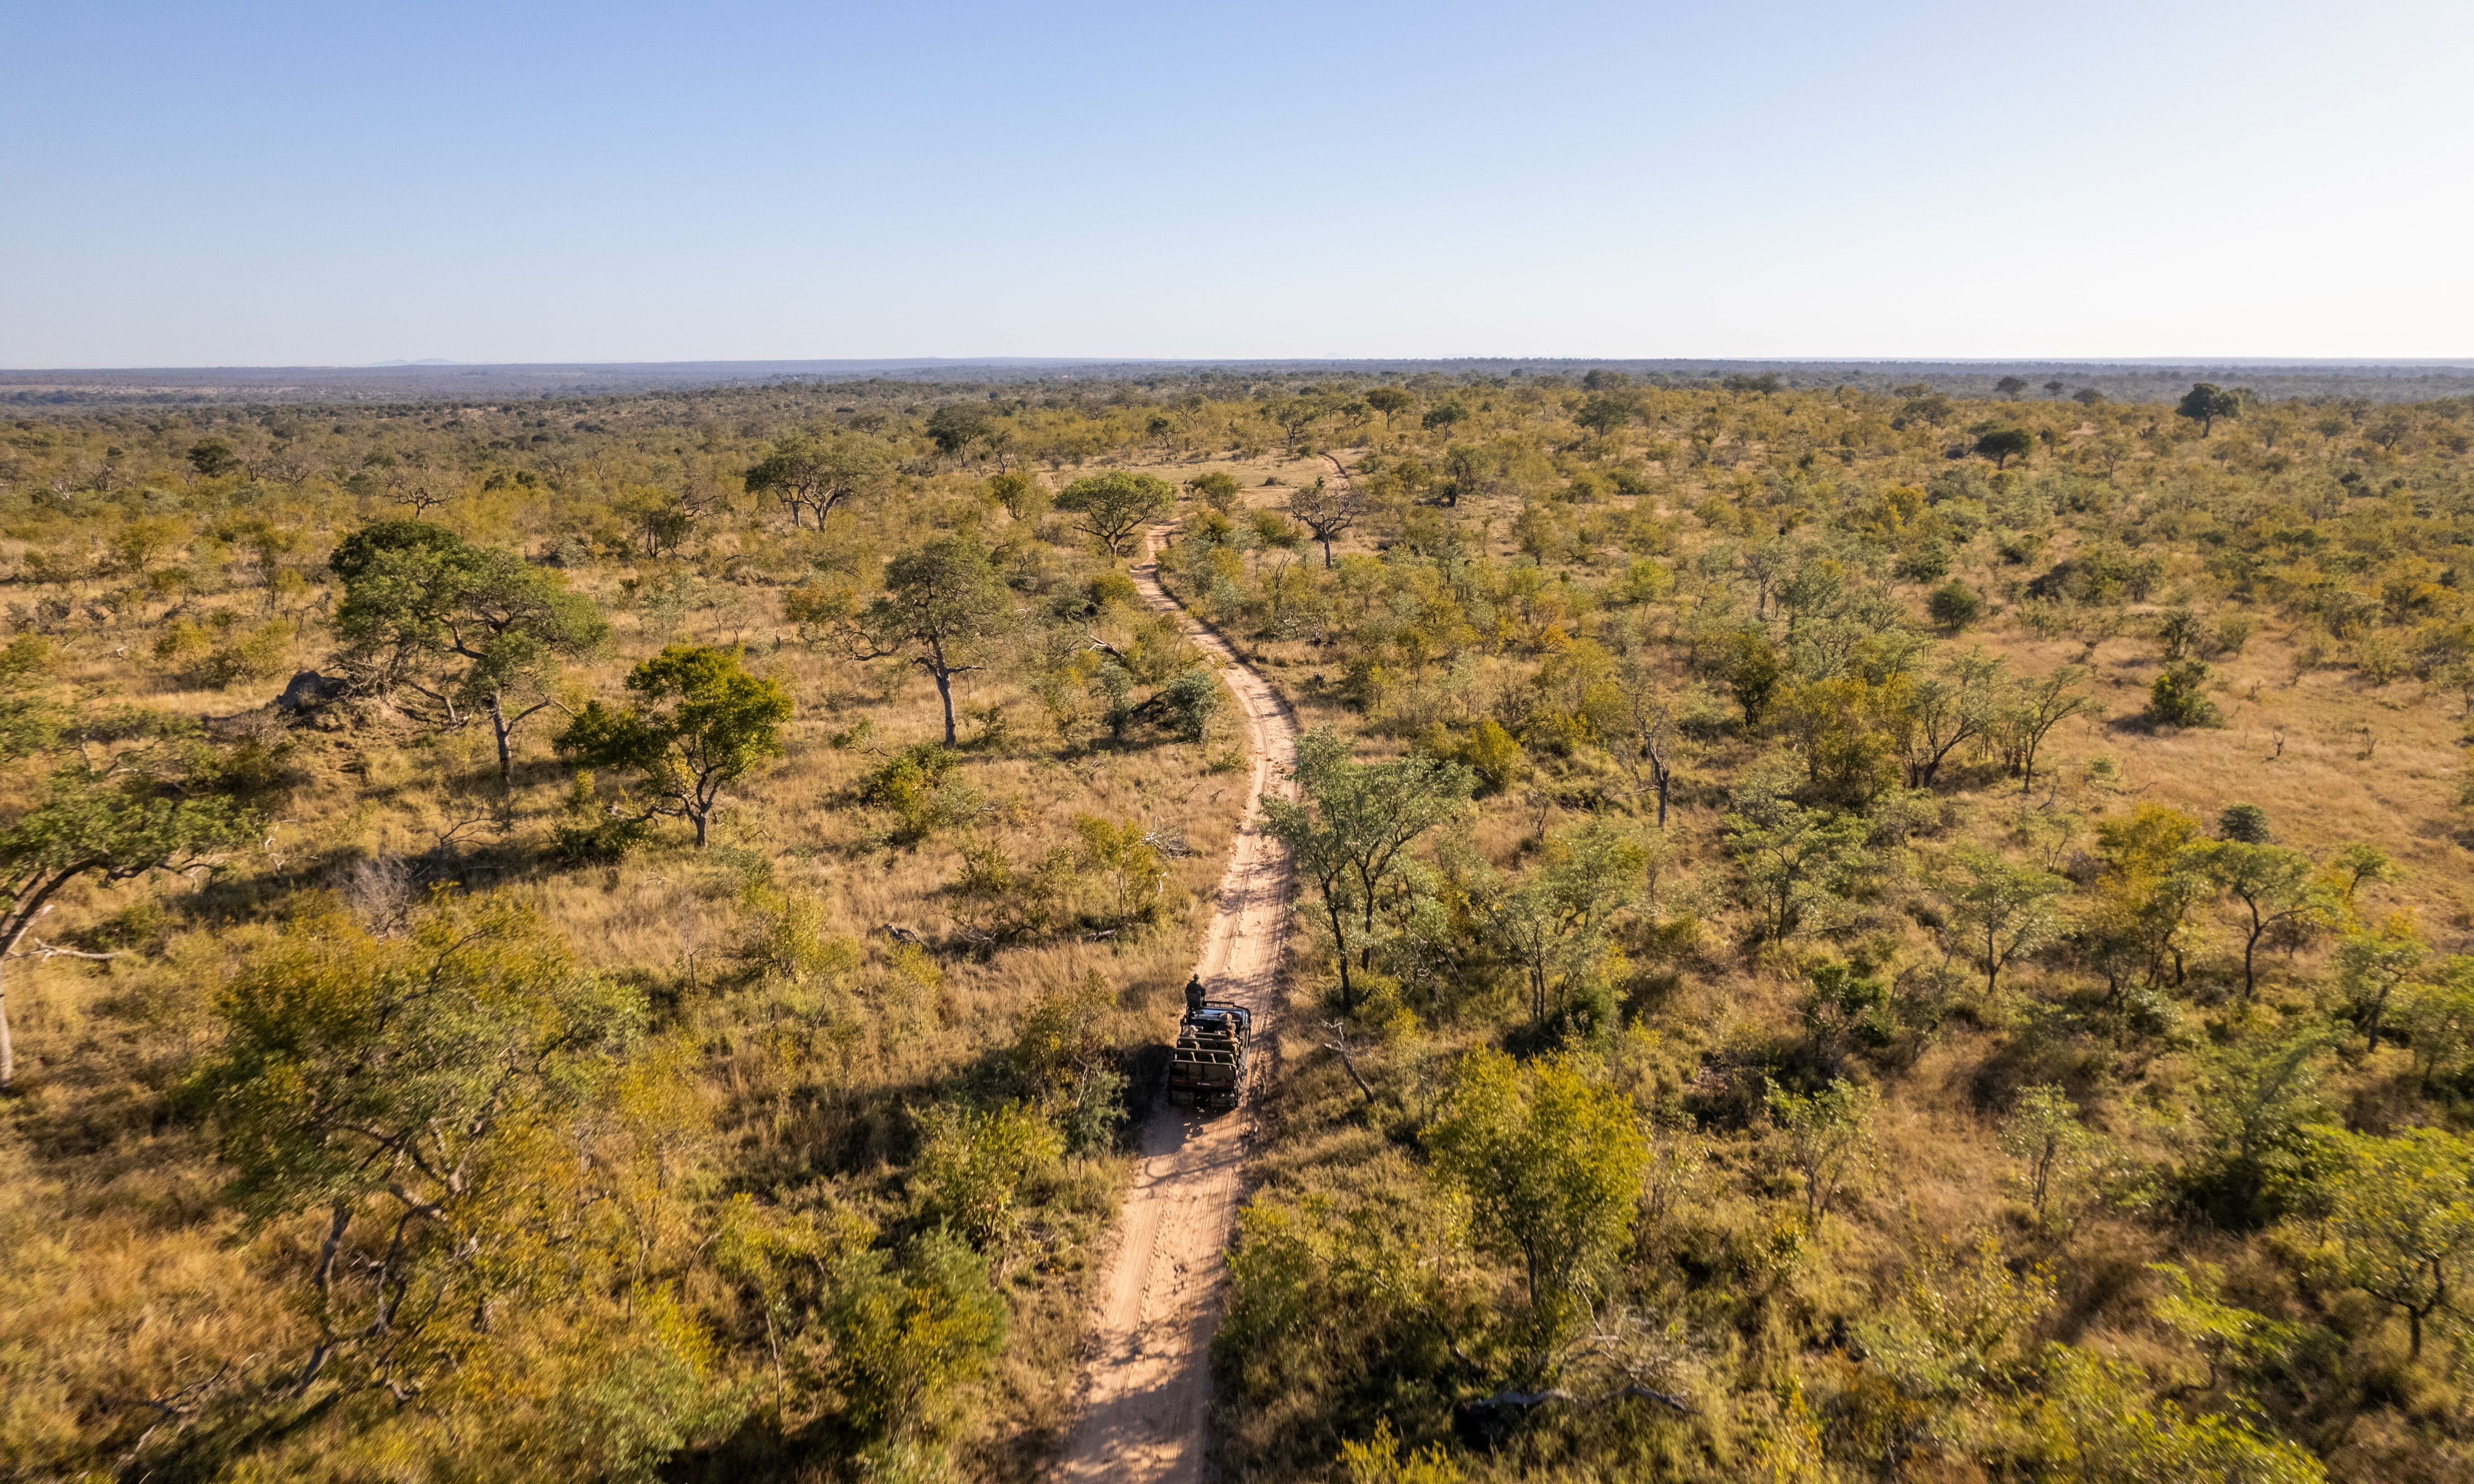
[(1146, 1379)]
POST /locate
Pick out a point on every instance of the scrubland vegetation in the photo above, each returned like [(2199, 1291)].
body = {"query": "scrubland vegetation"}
[(1842, 936)]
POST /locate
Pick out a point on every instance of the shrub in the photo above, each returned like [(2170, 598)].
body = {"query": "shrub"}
[(1191, 700), (2180, 696), (974, 1167), (919, 786), (1928, 561), (1954, 605)]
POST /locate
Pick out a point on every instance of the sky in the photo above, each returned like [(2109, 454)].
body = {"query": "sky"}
[(232, 184)]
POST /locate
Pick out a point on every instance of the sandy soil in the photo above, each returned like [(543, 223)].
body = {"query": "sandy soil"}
[(1147, 1387)]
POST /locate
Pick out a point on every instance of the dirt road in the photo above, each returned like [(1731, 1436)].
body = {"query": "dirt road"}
[(1147, 1388)]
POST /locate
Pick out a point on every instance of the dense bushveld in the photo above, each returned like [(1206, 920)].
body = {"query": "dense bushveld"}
[(1846, 936)]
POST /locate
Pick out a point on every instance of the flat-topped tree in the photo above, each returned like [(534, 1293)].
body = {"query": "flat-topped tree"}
[(701, 724), (1112, 509), (2004, 444), (112, 821), (940, 602), (805, 471), (455, 632)]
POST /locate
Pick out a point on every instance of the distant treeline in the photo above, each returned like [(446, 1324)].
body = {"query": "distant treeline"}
[(429, 385)]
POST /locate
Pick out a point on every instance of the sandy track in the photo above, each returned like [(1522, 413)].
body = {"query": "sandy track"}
[(1147, 1387)]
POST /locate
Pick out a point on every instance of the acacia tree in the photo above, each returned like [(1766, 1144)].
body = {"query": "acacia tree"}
[(112, 821), (2004, 444), (1387, 399), (1826, 1139), (1349, 837), (2042, 705), (427, 1097), (939, 601), (1796, 857), (807, 473), (1112, 509), (2401, 1219), (1556, 922), (2003, 911), (701, 724), (453, 631), (2275, 886), (1327, 512), (2372, 966), (2044, 1132), (1943, 713)]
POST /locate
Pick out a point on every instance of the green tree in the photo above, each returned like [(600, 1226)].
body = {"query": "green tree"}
[(1556, 923), (974, 1167), (1826, 1139), (1114, 508), (1797, 859), (2253, 1106), (805, 472), (213, 457), (1023, 497), (2001, 911), (941, 603), (2439, 1021), (1651, 743), (2179, 698), (111, 821), (2400, 1224), (1216, 488), (2044, 1133), (455, 631), (1389, 399), (420, 1095), (700, 722), (2205, 402), (904, 1337), (2004, 444), (1603, 414), (2040, 706), (1551, 1159), (2275, 886), (1936, 717), (952, 427), (1954, 605), (2373, 966), (1349, 837)]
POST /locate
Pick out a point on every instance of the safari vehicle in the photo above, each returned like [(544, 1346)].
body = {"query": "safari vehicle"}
[(1207, 1070)]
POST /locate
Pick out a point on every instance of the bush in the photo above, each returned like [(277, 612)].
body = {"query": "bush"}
[(2180, 696), (1489, 751), (1954, 605), (918, 785), (974, 1169), (1191, 700), (2245, 822), (1928, 562)]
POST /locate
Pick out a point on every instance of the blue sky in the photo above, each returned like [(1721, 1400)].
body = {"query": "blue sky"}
[(249, 184)]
